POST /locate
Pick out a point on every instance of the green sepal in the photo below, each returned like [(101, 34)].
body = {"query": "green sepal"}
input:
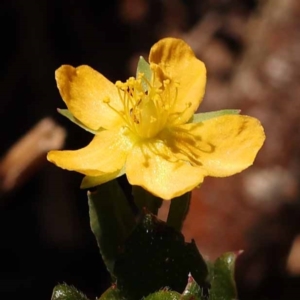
[(66, 113), (155, 255), (223, 285), (192, 290), (197, 118), (113, 293), (178, 210), (144, 67), (163, 294), (145, 200), (111, 220), (67, 292)]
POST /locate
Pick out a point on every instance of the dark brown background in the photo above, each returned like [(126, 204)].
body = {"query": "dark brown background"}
[(251, 50)]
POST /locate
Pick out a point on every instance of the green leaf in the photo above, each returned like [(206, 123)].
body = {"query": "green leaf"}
[(144, 199), (66, 113), (192, 290), (66, 292), (197, 118), (164, 294), (155, 255), (144, 67), (210, 267), (223, 285), (113, 293), (178, 210), (111, 220)]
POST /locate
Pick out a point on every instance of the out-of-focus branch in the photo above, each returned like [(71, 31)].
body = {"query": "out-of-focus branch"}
[(202, 33), (28, 154), (293, 261)]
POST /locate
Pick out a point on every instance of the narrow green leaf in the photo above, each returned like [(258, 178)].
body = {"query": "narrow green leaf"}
[(144, 199), (66, 292), (144, 67), (164, 294), (223, 285), (111, 220), (66, 113), (113, 293), (155, 255), (178, 210), (197, 118)]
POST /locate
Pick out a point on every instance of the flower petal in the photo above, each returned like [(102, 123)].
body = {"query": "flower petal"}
[(66, 113), (83, 90), (177, 61), (223, 145), (152, 166), (106, 153), (91, 181)]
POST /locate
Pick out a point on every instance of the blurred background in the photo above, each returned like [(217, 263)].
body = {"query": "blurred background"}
[(251, 50)]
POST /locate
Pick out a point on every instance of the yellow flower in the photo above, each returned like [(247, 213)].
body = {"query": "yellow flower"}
[(144, 127)]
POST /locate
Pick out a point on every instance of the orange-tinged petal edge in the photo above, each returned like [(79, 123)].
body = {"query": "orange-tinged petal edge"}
[(187, 75), (84, 91)]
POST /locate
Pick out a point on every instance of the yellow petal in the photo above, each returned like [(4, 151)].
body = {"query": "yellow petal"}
[(83, 90), (223, 145), (91, 181), (106, 153), (178, 62), (152, 166)]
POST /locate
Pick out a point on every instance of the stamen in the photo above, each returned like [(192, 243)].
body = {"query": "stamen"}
[(178, 115), (106, 99), (146, 104), (112, 108)]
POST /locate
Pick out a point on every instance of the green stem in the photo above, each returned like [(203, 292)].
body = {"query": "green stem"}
[(178, 210)]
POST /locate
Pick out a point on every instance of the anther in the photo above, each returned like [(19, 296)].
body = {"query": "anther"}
[(106, 99)]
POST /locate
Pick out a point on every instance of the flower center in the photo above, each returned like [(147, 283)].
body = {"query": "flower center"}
[(146, 106)]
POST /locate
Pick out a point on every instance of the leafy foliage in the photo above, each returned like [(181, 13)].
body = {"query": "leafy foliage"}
[(222, 278), (111, 220), (155, 256), (67, 292)]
